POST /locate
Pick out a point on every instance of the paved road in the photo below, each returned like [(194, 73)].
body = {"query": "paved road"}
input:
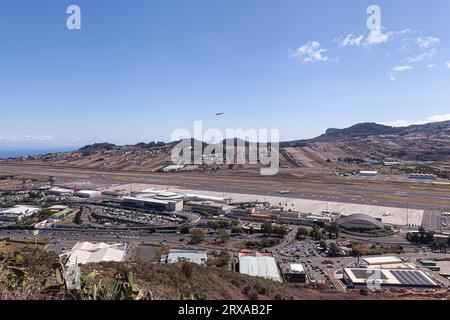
[(67, 238)]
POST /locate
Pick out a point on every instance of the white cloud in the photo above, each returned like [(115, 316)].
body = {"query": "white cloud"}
[(427, 42), (376, 37), (392, 77), (38, 138), (421, 56), (351, 40), (310, 53), (402, 68), (431, 65), (406, 123), (439, 118), (448, 64), (398, 123), (27, 138)]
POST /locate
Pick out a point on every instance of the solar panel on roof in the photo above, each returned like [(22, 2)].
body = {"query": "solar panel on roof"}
[(366, 274), (412, 277)]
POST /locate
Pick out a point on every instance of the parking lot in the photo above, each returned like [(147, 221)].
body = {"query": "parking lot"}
[(301, 249)]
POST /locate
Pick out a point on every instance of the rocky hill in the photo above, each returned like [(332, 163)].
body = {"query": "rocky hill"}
[(428, 142)]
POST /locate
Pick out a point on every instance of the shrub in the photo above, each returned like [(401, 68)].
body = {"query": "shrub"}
[(187, 269)]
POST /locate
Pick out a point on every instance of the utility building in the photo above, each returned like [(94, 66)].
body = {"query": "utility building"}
[(294, 272), (194, 256)]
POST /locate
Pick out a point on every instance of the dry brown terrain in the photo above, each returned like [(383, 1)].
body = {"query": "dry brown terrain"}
[(329, 152)]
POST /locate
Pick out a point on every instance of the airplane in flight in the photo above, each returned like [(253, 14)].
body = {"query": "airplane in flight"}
[(219, 114)]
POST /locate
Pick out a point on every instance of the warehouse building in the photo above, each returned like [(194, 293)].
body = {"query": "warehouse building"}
[(86, 252), (259, 265), (18, 213), (383, 260), (194, 256), (153, 204), (387, 278), (360, 222), (387, 262)]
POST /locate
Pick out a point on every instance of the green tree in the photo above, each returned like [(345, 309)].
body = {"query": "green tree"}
[(302, 232), (323, 244), (184, 230), (213, 225), (333, 229), (187, 269), (223, 236), (267, 228), (333, 249), (439, 245), (280, 231), (197, 236), (236, 230), (316, 233), (77, 218), (221, 260)]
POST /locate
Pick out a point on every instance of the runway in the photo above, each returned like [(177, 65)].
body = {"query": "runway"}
[(412, 195)]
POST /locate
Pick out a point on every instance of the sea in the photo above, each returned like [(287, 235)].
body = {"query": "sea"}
[(10, 153)]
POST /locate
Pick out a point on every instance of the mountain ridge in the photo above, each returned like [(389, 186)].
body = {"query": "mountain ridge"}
[(369, 140)]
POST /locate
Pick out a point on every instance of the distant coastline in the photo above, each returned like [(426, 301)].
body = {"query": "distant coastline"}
[(13, 153)]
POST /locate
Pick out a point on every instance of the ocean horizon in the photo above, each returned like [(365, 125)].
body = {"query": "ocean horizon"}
[(13, 153)]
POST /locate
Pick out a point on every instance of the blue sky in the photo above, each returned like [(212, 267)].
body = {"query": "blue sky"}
[(139, 69)]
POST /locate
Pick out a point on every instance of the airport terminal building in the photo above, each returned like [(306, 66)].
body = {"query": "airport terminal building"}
[(153, 204)]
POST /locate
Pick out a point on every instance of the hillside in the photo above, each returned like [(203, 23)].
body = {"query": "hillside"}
[(30, 274), (25, 274), (428, 142)]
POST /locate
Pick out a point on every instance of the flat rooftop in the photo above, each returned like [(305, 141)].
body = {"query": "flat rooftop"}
[(206, 204), (259, 266), (20, 210), (382, 260), (296, 268), (194, 256), (147, 200), (390, 277)]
